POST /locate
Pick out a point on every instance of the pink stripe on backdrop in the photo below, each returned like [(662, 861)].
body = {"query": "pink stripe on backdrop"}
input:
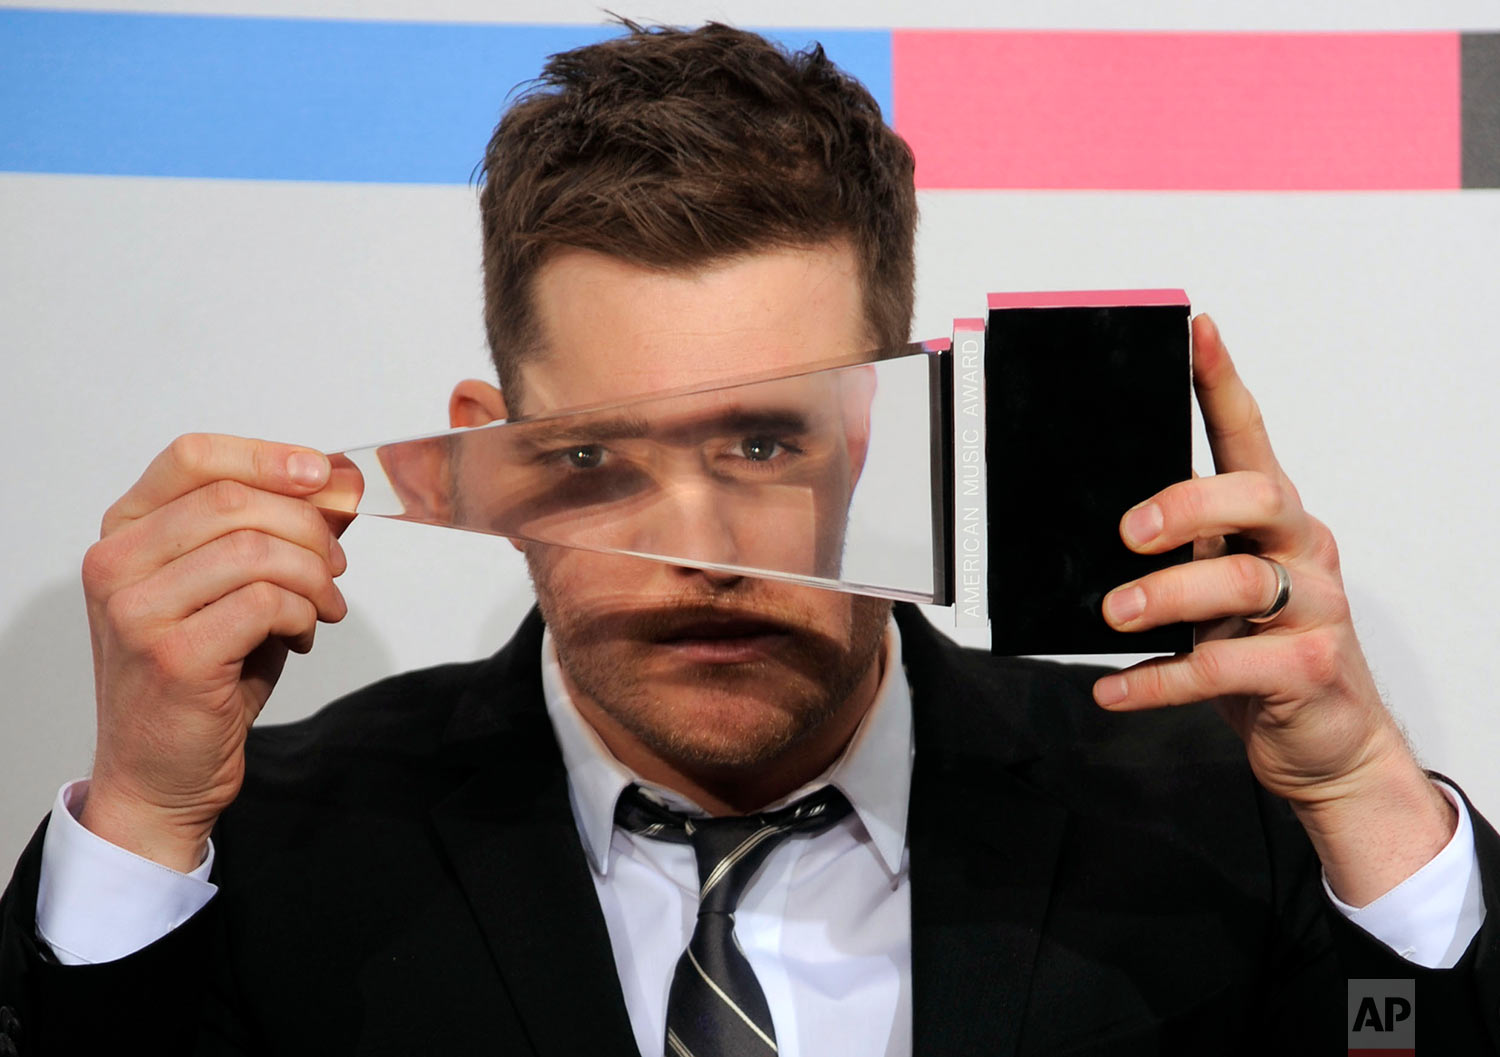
[(1180, 111)]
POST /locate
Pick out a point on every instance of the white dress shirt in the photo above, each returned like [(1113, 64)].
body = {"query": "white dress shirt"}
[(826, 923)]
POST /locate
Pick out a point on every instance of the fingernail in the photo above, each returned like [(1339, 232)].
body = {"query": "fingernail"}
[(1110, 690), (305, 468), (1125, 605), (1143, 524)]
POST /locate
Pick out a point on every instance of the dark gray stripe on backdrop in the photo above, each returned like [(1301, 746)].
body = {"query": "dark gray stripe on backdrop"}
[(1481, 109)]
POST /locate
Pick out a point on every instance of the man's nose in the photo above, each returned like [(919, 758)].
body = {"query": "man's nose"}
[(690, 525)]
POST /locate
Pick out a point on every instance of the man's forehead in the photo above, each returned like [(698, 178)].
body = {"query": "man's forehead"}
[(608, 328)]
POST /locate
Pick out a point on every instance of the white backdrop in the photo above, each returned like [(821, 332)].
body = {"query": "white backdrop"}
[(135, 309)]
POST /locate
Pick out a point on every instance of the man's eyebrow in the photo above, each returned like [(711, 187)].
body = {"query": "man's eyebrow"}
[(748, 420), (737, 419), (571, 431), (694, 426)]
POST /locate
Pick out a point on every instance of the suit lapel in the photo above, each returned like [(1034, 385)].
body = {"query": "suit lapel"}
[(509, 833), (984, 847)]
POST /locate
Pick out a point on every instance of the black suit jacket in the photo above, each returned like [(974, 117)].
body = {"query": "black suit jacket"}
[(402, 874)]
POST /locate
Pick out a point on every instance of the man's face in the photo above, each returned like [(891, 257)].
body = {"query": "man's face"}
[(706, 669), (748, 477)]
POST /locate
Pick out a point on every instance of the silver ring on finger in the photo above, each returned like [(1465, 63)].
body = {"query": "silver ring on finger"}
[(1283, 593)]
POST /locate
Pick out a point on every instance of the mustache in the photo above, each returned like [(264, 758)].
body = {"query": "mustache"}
[(699, 620), (743, 611)]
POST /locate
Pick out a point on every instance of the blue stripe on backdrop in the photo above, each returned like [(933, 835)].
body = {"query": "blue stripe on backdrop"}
[(287, 99)]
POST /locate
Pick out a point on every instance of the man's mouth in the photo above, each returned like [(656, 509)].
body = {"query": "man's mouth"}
[(721, 638)]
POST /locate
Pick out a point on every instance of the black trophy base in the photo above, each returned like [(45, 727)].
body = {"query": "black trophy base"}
[(1089, 413)]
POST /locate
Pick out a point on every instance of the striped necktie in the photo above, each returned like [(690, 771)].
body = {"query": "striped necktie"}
[(716, 1007)]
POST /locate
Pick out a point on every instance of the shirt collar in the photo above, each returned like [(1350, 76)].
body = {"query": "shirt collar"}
[(873, 771)]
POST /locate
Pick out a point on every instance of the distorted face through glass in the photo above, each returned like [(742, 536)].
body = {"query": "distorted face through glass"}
[(703, 666)]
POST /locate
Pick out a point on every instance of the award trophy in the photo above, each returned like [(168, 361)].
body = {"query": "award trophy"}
[(987, 473)]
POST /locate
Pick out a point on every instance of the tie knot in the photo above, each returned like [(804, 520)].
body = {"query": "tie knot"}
[(730, 850)]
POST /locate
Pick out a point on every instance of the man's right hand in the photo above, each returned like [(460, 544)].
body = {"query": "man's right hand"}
[(206, 573)]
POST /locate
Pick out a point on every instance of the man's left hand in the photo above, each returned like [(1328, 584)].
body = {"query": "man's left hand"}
[(1297, 688)]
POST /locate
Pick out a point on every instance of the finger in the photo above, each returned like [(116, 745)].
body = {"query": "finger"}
[(1231, 417), (1236, 585), (223, 507), (1273, 668), (1244, 503), (1211, 547), (209, 573), (226, 632), (197, 459), (141, 547)]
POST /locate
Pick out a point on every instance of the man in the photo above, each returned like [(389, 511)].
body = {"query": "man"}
[(980, 856)]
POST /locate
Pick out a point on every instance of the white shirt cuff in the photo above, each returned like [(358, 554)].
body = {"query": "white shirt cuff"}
[(1431, 917), (98, 902)]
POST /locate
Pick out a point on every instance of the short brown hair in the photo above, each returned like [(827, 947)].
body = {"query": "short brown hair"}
[(673, 148)]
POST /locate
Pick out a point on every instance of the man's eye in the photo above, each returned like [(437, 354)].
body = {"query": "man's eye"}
[(761, 449), (584, 456)]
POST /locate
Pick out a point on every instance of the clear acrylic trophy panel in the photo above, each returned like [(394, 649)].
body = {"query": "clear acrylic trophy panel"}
[(831, 477)]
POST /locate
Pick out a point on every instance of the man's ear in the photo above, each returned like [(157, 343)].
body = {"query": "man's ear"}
[(475, 403)]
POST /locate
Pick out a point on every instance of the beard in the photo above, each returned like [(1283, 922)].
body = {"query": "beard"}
[(814, 649)]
